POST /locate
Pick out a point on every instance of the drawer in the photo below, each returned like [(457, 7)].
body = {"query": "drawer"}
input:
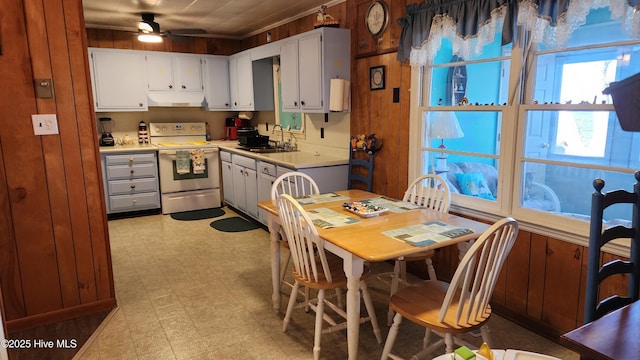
[(244, 161), (267, 168), (283, 170), (120, 203), (225, 156), (118, 187), (130, 159), (131, 171)]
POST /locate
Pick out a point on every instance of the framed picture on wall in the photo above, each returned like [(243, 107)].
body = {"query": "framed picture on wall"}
[(376, 77)]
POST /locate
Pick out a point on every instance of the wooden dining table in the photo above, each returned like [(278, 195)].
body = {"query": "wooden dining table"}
[(364, 241), (613, 336)]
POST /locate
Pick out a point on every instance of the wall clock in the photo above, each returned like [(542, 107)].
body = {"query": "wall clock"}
[(377, 18)]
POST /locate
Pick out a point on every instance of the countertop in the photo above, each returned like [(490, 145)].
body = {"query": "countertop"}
[(293, 160)]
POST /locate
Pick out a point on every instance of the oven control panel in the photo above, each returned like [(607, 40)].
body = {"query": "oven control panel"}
[(177, 129)]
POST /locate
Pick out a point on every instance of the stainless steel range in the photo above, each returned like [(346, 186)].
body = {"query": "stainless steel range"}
[(189, 166)]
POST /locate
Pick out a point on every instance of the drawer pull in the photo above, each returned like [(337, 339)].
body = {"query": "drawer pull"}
[(133, 186), (134, 201), (132, 171), (131, 159)]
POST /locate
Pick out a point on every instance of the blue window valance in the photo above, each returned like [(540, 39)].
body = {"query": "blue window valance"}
[(470, 24)]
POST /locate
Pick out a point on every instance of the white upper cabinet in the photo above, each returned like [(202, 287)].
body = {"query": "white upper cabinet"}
[(241, 81), (216, 74), (290, 90), (174, 72), (119, 80), (308, 62)]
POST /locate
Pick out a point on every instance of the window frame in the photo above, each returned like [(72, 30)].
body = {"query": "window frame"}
[(511, 153)]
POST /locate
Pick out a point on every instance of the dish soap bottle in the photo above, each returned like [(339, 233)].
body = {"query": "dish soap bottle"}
[(208, 136)]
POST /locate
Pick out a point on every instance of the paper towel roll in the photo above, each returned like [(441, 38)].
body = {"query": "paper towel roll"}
[(339, 95)]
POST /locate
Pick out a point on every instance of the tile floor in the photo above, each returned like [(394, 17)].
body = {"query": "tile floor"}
[(187, 291)]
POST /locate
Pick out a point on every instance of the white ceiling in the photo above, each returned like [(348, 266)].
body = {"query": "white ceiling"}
[(236, 19)]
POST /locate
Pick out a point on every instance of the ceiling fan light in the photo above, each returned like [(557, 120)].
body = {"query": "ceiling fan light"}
[(150, 38), (144, 26)]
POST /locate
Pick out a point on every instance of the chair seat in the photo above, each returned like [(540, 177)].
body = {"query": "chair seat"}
[(421, 303), (337, 274)]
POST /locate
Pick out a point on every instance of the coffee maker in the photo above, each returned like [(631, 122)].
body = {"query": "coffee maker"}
[(231, 127), (106, 125)]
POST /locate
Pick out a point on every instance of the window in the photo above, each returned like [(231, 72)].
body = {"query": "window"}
[(539, 136)]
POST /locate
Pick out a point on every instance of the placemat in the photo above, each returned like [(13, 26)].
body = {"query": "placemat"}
[(394, 205), (320, 198), (427, 234), (325, 218)]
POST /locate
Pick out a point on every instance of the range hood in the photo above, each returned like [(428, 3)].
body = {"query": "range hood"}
[(176, 99)]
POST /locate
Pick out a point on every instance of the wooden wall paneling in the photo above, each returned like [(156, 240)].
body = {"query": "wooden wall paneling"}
[(365, 43), (92, 38), (62, 155), (93, 252), (537, 276), (9, 271), (562, 284), (123, 39), (517, 274), (105, 38), (35, 233), (396, 11), (402, 124), (378, 124), (361, 101), (391, 130)]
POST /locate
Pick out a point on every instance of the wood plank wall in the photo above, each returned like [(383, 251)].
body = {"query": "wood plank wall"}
[(54, 252)]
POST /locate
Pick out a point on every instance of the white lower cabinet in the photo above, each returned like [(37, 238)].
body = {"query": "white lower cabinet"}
[(131, 181), (266, 177), (227, 178), (246, 181), (245, 185)]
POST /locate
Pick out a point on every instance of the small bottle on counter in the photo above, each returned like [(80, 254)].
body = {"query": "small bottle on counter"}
[(143, 136), (208, 135)]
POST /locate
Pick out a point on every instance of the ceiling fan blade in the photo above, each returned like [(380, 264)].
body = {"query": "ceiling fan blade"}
[(176, 38)]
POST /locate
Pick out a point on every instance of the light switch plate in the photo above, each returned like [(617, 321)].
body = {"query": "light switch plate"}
[(45, 124)]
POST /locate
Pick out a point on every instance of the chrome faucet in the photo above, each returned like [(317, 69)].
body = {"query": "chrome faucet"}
[(273, 130)]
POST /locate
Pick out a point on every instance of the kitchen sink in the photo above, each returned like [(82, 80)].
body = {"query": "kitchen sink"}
[(266, 149)]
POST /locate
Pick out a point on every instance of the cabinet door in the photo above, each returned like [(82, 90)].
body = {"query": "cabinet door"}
[(239, 185), (310, 63), (289, 83), (244, 82), (227, 183), (188, 72), (119, 79), (265, 181), (160, 72), (217, 83), (251, 187)]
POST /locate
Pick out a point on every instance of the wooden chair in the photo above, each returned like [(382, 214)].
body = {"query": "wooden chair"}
[(595, 308), (462, 305), (296, 184), (361, 170), (429, 191), (316, 269)]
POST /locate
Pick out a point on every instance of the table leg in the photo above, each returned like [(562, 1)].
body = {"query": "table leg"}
[(353, 267), (274, 235)]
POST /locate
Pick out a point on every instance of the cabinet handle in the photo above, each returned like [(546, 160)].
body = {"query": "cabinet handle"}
[(295, 103), (170, 86), (140, 104), (131, 159), (132, 171), (133, 186), (235, 103), (134, 201), (184, 86), (226, 104), (302, 103)]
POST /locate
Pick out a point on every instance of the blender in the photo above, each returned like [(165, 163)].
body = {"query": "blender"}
[(106, 139)]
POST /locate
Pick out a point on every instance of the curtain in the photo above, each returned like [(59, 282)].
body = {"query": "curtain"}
[(470, 24)]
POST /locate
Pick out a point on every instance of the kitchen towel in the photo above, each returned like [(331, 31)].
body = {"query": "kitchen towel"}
[(183, 162), (197, 158)]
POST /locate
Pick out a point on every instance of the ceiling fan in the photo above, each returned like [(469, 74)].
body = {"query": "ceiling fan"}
[(149, 31)]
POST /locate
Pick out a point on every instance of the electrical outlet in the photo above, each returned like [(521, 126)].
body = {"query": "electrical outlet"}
[(45, 124)]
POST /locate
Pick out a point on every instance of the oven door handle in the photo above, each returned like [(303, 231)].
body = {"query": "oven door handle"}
[(173, 152)]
